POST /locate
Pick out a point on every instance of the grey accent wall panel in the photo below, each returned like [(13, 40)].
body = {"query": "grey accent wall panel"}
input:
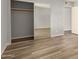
[(22, 24)]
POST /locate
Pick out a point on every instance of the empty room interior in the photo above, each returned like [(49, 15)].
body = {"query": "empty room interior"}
[(39, 29)]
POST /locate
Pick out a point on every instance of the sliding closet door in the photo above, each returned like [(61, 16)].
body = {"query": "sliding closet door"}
[(22, 20)]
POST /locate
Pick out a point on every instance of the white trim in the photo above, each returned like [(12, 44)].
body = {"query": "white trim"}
[(26, 0), (42, 28), (2, 51), (57, 35), (23, 37), (67, 29), (7, 44), (42, 5), (75, 33)]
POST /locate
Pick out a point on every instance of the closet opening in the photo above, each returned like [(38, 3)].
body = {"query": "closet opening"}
[(67, 20), (22, 17), (42, 22)]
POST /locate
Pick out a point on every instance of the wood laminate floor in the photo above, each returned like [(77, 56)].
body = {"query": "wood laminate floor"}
[(41, 33), (62, 47)]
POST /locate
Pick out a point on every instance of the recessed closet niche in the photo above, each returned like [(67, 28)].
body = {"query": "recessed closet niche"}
[(22, 17)]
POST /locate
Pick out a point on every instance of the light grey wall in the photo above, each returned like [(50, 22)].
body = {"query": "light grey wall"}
[(67, 19), (5, 17), (42, 17), (22, 24), (57, 17), (9, 22)]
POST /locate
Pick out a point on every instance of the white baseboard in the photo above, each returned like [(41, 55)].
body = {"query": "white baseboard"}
[(67, 30), (7, 44), (42, 28), (75, 33), (2, 51), (57, 35), (22, 37)]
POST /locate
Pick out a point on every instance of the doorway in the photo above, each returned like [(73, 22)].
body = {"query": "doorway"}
[(41, 22), (68, 21)]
